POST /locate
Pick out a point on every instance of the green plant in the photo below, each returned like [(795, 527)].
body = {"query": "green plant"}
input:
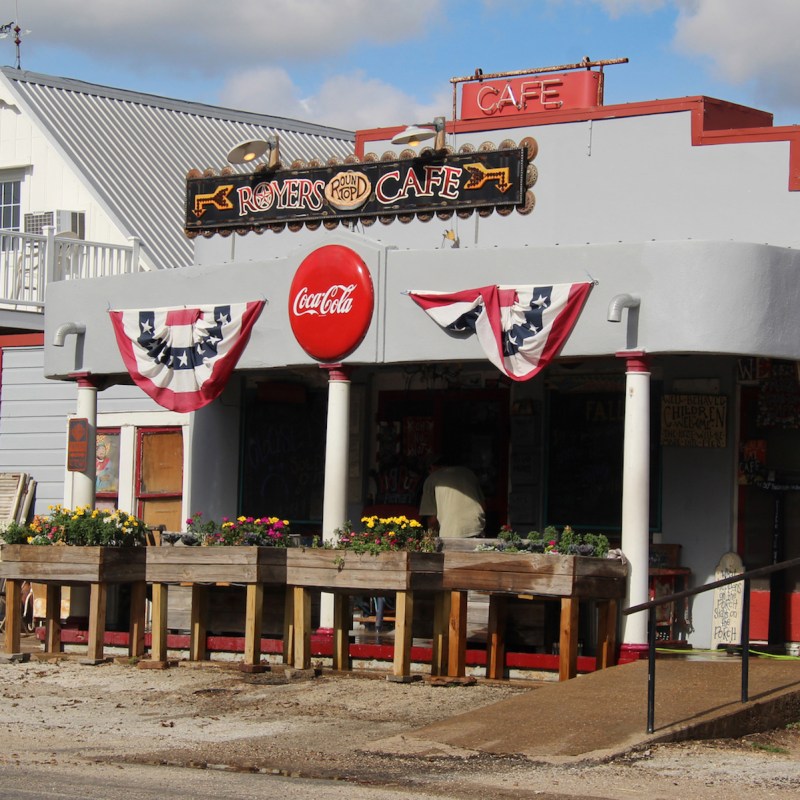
[(770, 748), (385, 534), (83, 526), (510, 538), (566, 542)]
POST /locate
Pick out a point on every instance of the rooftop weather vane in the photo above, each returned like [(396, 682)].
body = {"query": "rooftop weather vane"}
[(6, 31)]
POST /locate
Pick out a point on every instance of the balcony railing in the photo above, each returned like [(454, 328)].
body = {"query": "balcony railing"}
[(29, 261)]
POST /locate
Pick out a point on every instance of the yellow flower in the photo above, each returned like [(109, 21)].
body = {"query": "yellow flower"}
[(30, 540)]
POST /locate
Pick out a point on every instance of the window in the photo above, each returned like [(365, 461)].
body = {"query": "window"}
[(107, 468), (159, 476), (10, 204)]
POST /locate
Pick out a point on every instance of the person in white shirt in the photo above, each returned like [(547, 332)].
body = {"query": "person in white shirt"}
[(452, 501)]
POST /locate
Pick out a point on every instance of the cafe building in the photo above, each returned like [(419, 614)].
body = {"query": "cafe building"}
[(595, 307)]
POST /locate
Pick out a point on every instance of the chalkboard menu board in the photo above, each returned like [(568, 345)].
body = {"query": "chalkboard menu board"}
[(283, 462), (584, 464)]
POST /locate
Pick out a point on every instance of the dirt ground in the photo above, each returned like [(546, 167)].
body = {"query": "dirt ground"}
[(61, 713)]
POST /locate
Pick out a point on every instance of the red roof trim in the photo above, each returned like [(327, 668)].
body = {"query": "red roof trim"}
[(714, 122), (22, 340)]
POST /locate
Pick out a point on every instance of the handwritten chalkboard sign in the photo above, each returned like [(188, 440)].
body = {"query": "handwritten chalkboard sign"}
[(694, 420), (726, 623), (283, 463), (779, 395), (584, 467)]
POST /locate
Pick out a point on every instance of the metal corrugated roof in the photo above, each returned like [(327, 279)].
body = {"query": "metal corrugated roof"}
[(135, 149)]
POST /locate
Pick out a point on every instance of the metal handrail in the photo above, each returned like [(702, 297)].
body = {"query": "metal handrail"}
[(651, 606)]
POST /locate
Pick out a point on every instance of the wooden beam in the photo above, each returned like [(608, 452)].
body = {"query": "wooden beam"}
[(158, 647), (404, 616), (137, 619), (496, 637), (457, 636), (288, 626), (607, 611), (342, 622), (568, 640), (13, 616), (98, 595), (441, 633), (198, 649), (302, 627), (52, 620), (252, 624)]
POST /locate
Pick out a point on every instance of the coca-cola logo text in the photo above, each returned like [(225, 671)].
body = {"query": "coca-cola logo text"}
[(337, 299)]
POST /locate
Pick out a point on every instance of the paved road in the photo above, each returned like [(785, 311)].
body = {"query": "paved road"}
[(123, 782)]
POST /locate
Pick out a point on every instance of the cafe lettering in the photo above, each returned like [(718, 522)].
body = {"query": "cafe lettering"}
[(436, 183)]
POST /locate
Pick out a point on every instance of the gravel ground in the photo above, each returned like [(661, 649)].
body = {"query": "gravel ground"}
[(60, 713)]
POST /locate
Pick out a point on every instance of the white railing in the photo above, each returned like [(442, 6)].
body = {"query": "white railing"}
[(28, 261)]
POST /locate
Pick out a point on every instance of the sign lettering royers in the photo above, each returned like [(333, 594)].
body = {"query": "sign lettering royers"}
[(423, 185)]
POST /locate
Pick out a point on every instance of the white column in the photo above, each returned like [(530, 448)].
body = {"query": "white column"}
[(337, 441), (84, 483), (636, 494)]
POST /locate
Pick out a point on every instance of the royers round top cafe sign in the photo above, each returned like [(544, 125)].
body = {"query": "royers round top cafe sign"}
[(330, 302)]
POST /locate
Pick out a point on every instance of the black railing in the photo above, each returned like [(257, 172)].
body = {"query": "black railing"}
[(651, 606)]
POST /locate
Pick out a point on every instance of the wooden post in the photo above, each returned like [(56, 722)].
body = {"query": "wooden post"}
[(568, 640), (441, 622), (496, 637), (13, 616), (457, 636), (98, 593), (342, 622), (302, 627), (158, 647), (606, 634), (52, 620), (198, 647), (252, 624), (404, 616), (136, 626), (288, 626)]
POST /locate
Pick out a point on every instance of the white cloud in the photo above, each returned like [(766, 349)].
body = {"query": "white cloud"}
[(750, 43), (351, 101), (208, 36), (746, 41)]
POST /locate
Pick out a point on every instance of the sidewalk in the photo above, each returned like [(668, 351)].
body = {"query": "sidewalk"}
[(604, 713)]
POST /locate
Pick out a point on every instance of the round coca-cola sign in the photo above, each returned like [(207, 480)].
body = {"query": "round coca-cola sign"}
[(331, 302)]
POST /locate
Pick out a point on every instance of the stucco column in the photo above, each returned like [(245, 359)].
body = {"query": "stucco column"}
[(337, 439), (84, 483), (636, 494)]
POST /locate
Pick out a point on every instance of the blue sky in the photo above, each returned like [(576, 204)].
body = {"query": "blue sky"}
[(368, 63)]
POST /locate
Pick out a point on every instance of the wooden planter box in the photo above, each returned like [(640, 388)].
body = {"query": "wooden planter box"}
[(539, 574), (248, 564), (251, 565), (570, 578), (58, 566), (341, 570), (66, 564), (344, 573)]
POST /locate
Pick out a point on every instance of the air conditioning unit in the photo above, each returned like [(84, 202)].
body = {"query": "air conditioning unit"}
[(73, 222)]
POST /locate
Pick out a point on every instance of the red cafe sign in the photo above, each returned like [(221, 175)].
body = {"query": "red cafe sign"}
[(330, 302), (532, 94)]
